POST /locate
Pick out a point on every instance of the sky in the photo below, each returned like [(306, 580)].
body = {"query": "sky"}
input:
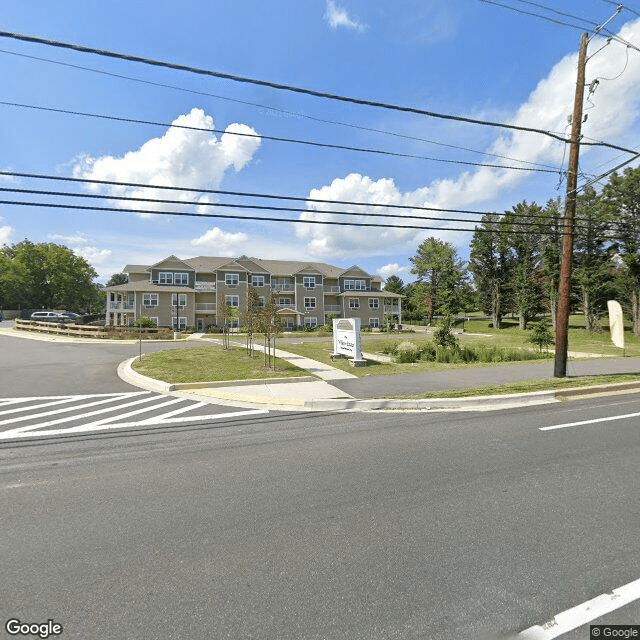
[(466, 58)]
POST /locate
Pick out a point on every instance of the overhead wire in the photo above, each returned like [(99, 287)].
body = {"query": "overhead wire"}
[(272, 85), (297, 114), (273, 138)]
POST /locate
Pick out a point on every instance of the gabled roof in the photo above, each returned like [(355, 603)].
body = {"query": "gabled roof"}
[(171, 260), (355, 270)]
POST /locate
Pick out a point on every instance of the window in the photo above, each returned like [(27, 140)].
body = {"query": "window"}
[(257, 281), (309, 282), (181, 278), (231, 279), (182, 299), (165, 277), (150, 299), (374, 322), (261, 301), (182, 323), (311, 322), (309, 303), (232, 301), (354, 303), (374, 303), (355, 285), (284, 302)]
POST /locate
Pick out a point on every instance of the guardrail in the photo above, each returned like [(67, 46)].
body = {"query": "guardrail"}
[(62, 328)]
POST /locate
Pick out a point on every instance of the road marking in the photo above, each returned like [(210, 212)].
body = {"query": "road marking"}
[(583, 613), (113, 397), (101, 425), (593, 421)]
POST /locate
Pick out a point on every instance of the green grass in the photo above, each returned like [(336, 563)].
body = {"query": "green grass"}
[(529, 386), (210, 364)]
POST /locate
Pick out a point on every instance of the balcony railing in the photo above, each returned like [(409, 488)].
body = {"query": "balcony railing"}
[(390, 308), (122, 306), (332, 289), (332, 308), (205, 286), (205, 306), (286, 286)]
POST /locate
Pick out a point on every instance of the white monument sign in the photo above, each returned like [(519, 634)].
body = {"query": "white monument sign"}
[(346, 339)]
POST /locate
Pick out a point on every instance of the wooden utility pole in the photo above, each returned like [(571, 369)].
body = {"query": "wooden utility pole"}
[(564, 289)]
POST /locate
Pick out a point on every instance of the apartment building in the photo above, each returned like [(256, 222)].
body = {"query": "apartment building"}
[(189, 293)]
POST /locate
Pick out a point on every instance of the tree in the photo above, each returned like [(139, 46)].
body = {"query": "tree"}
[(270, 325), (524, 246), (46, 275), (118, 278), (251, 317), (440, 275), (394, 284), (621, 201), (541, 334), (550, 254), (490, 265), (591, 256)]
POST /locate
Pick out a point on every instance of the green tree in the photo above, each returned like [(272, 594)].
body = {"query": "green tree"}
[(541, 334), (394, 284), (118, 278), (521, 225), (440, 277), (46, 275), (621, 200), (592, 264), (550, 254), (490, 265)]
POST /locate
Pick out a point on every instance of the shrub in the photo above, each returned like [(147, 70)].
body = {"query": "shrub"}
[(541, 334), (145, 322), (407, 352), (443, 335)]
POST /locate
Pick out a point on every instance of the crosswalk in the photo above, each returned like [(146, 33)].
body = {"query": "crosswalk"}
[(38, 416)]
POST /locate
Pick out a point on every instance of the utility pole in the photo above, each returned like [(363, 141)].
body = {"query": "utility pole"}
[(564, 289)]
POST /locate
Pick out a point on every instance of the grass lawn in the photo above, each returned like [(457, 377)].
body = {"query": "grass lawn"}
[(210, 364)]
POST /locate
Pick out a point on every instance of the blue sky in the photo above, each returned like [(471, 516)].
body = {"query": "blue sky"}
[(464, 58)]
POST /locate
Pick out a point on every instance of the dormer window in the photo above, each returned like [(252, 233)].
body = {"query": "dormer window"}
[(309, 282), (231, 279), (181, 278), (165, 277)]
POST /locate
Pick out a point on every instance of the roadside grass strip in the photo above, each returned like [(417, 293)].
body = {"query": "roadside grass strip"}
[(583, 613)]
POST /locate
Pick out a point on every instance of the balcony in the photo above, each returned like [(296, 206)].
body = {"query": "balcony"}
[(284, 286), (332, 308), (205, 306), (205, 286), (122, 306), (332, 289), (391, 308)]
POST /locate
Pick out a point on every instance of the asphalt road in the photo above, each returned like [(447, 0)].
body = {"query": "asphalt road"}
[(327, 526)]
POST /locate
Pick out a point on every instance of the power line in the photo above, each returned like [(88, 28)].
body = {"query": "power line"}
[(273, 138), (72, 207), (253, 207), (270, 84), (559, 13), (536, 15), (615, 4)]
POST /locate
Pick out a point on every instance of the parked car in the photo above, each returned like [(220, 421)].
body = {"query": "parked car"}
[(71, 316), (48, 316)]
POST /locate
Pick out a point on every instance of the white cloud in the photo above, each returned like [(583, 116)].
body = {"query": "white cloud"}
[(613, 113), (221, 243), (393, 269), (5, 234), (337, 17), (180, 157), (82, 245)]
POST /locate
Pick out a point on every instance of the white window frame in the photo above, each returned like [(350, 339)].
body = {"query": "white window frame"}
[(374, 303), (355, 285), (311, 321), (282, 303), (181, 300), (165, 277), (232, 279), (229, 301), (374, 322), (181, 278), (257, 281), (354, 303), (309, 282), (262, 300), (182, 323), (149, 299), (310, 303)]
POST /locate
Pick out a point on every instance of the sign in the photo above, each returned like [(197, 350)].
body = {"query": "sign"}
[(616, 323), (346, 338)]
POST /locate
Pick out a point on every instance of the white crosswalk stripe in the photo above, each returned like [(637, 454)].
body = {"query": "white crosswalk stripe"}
[(45, 416)]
